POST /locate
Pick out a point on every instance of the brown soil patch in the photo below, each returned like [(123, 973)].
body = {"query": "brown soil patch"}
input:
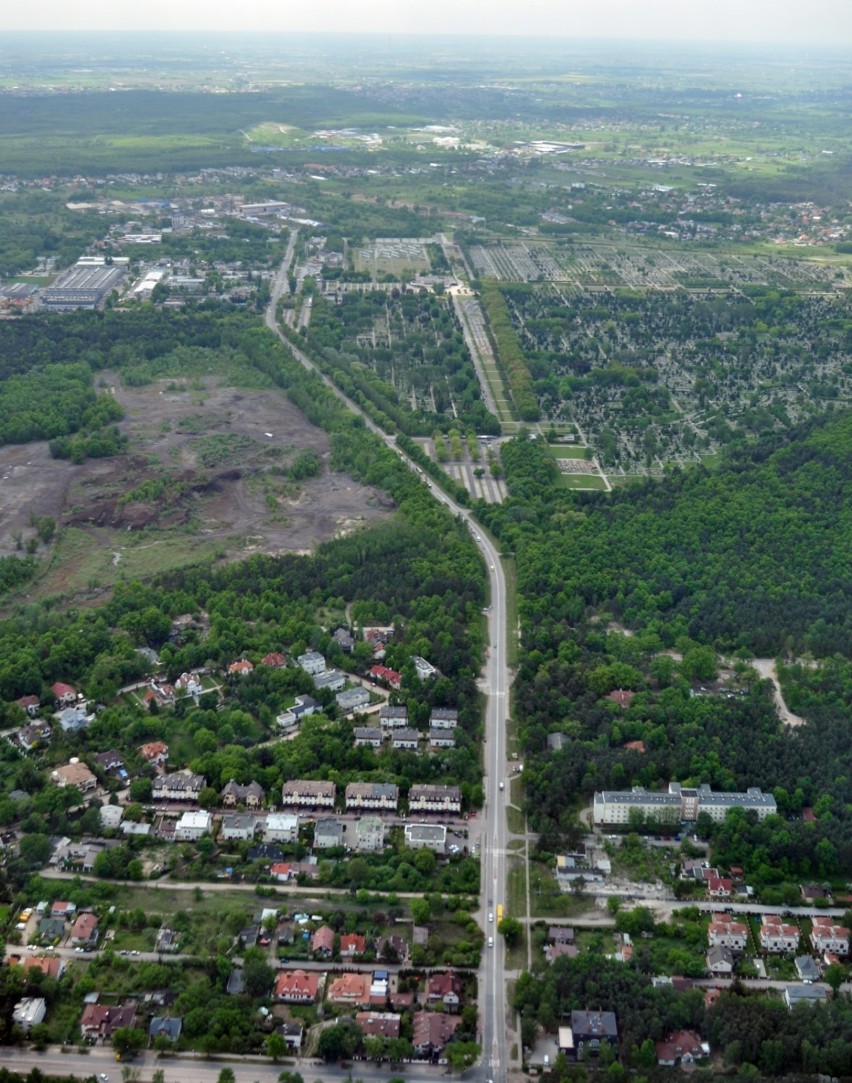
[(206, 462)]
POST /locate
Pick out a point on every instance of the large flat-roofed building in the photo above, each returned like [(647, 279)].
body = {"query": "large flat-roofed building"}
[(85, 285), (678, 803)]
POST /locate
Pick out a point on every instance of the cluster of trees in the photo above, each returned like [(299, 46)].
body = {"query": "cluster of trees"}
[(509, 353), (753, 1031), (745, 559)]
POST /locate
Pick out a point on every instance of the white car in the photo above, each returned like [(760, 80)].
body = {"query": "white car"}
[(103, 1077), (490, 917)]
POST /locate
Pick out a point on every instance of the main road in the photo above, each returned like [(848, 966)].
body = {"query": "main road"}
[(492, 984)]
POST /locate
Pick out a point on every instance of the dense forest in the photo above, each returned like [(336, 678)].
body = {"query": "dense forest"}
[(750, 558)]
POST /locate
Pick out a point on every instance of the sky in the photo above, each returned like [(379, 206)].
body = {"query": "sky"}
[(767, 21)]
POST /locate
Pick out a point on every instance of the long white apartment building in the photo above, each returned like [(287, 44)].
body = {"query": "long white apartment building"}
[(678, 804)]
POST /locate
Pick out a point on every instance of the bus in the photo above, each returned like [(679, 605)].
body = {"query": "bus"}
[(499, 913)]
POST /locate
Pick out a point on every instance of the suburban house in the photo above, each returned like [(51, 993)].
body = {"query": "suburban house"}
[(444, 987), (378, 1024), (369, 833), (165, 1027), (720, 961), (345, 641), (281, 827), (332, 679), (560, 934), (242, 668), (405, 739), (322, 941), (252, 795), (84, 931), (50, 965), (719, 887), (427, 797), (192, 825), (376, 796), (392, 949), (282, 871), (776, 936), (443, 718), (804, 994), (588, 1031), (239, 825), (303, 793), (296, 986), (311, 662), (390, 677), (827, 936), (189, 684), (683, 1047), (63, 910), (806, 968), (352, 699), (352, 944), (156, 752), (98, 1021), (369, 735), (66, 696), (327, 834), (432, 1031), (292, 1032), (350, 989), (177, 787), (424, 669), (441, 739), (393, 718), (29, 1012), (426, 837), (73, 718), (109, 761), (30, 704), (275, 660), (724, 932), (74, 774), (302, 708)]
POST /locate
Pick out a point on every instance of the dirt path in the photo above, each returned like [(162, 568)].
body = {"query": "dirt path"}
[(766, 668)]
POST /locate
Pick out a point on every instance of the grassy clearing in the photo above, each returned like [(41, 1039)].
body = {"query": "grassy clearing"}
[(561, 452), (516, 889), (515, 819), (80, 563), (581, 481), (516, 957)]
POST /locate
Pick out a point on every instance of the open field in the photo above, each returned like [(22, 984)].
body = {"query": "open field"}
[(202, 481)]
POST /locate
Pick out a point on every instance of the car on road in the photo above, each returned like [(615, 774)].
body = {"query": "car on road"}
[(501, 786), (490, 941), (490, 916), (103, 1077)]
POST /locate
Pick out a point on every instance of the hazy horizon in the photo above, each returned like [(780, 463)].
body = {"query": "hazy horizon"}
[(766, 22)]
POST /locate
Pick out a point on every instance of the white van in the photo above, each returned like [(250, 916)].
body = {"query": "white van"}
[(490, 941)]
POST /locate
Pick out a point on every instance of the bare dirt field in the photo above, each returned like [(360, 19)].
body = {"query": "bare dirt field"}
[(205, 477)]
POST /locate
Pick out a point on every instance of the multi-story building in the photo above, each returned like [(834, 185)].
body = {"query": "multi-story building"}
[(427, 797), (426, 837), (281, 827), (776, 936), (370, 833), (724, 932), (311, 662), (393, 718), (371, 736), (296, 987), (192, 825), (375, 796), (177, 787), (239, 825), (678, 804), (406, 739), (252, 795), (828, 936), (444, 718), (307, 793)]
